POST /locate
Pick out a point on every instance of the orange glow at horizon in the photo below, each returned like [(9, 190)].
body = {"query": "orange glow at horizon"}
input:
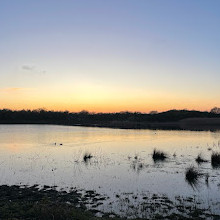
[(100, 99), (110, 56)]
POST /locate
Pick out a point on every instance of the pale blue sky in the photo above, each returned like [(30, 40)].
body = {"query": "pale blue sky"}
[(94, 54)]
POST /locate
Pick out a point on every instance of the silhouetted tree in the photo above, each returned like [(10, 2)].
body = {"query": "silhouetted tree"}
[(215, 110), (43, 116)]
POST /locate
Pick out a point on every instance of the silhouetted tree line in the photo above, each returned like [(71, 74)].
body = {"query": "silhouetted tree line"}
[(86, 118)]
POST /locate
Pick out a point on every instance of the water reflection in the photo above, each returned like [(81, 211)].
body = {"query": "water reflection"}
[(109, 170)]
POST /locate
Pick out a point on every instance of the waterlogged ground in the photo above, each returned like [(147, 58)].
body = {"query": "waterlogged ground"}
[(121, 170)]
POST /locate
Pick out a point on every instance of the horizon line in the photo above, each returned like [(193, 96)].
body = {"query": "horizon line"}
[(93, 112)]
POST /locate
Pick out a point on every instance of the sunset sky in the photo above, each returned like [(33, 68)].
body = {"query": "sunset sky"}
[(107, 56)]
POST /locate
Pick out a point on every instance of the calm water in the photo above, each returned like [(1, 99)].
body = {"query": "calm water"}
[(122, 161)]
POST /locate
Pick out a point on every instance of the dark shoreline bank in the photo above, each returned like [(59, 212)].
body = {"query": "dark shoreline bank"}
[(22, 202), (170, 120), (191, 124)]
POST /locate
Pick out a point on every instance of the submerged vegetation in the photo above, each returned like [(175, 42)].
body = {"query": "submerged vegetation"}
[(48, 204), (45, 204), (159, 155), (215, 159)]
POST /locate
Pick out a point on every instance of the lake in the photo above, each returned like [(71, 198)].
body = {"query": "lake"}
[(121, 167)]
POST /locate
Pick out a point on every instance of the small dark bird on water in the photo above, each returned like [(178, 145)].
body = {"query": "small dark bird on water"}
[(87, 157)]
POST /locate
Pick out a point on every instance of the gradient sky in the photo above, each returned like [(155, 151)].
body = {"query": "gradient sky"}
[(107, 56)]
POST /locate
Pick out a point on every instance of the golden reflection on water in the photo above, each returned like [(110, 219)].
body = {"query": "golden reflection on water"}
[(19, 138), (40, 144), (122, 159)]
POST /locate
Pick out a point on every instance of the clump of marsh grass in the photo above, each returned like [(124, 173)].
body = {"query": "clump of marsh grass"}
[(215, 160), (192, 176), (159, 155), (200, 159), (87, 156)]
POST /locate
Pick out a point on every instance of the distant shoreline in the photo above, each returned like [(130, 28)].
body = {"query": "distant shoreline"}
[(170, 120), (192, 124)]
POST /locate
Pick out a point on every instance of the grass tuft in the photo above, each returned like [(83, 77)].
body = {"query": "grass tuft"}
[(192, 176), (215, 159), (159, 155)]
